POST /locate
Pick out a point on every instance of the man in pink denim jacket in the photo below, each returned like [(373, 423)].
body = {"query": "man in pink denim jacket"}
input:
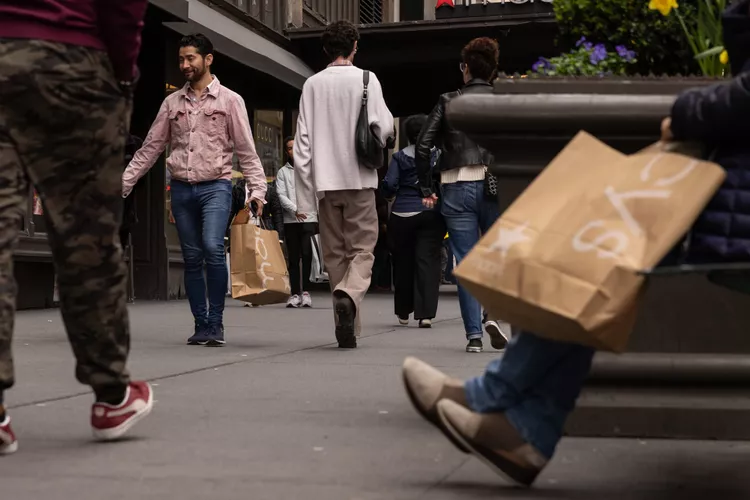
[(205, 124)]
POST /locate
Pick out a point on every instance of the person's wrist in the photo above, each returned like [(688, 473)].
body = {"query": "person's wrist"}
[(127, 84)]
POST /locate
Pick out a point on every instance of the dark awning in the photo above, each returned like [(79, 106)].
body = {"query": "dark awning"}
[(178, 8), (242, 44)]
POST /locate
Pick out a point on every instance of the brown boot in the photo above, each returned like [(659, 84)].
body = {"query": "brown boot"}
[(425, 386), (492, 439)]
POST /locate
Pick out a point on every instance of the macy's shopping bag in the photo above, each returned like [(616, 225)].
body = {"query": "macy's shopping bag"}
[(257, 264), (563, 261)]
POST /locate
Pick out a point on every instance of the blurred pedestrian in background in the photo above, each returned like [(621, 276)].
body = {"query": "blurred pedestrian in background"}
[(415, 235)]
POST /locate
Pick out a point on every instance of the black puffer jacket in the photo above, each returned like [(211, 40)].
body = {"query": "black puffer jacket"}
[(719, 117), (457, 150)]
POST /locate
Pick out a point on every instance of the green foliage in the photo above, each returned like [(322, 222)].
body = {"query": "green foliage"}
[(706, 38), (659, 41)]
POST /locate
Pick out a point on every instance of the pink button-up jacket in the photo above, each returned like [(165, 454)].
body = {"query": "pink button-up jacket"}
[(203, 135)]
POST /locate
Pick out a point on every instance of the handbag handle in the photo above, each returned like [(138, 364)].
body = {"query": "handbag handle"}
[(365, 82), (249, 215)]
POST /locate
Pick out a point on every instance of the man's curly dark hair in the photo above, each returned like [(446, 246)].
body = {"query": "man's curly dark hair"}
[(339, 39), (481, 56)]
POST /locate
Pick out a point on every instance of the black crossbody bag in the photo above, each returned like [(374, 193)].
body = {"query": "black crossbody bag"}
[(368, 147)]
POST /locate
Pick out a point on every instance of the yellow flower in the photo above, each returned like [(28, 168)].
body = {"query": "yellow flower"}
[(663, 6), (724, 57)]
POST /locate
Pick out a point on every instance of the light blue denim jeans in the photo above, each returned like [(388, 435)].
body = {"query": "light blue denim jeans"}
[(536, 384), (468, 215), (201, 213)]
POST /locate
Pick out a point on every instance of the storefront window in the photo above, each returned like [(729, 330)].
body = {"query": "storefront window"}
[(268, 126)]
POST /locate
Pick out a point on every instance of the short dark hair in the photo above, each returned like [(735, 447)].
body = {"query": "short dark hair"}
[(481, 56), (413, 127), (287, 139), (339, 39), (200, 41)]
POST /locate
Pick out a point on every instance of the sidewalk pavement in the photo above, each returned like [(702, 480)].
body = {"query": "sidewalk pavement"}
[(280, 413)]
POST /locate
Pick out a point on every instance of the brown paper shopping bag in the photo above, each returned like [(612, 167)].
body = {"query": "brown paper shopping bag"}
[(257, 264), (563, 259)]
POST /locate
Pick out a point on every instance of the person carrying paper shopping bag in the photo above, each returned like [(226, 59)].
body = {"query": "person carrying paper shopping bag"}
[(513, 415)]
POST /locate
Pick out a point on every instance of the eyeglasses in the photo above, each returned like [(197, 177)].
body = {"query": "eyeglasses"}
[(462, 67)]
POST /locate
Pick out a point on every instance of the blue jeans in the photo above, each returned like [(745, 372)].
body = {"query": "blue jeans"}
[(201, 213), (468, 216), (536, 384)]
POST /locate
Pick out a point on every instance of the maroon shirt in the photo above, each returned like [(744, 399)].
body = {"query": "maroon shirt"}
[(110, 25)]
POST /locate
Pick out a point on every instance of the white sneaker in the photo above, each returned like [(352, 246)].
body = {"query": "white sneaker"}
[(294, 301), (306, 300), (499, 338), (403, 321)]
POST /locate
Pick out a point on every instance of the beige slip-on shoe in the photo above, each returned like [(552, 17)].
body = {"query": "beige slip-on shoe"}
[(491, 438), (425, 386)]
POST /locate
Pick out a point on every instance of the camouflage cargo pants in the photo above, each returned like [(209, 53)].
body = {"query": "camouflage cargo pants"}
[(63, 122)]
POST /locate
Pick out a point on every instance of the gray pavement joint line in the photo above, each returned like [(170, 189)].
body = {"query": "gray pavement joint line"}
[(443, 478), (205, 368)]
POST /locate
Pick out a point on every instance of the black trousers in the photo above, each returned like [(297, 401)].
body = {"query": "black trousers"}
[(415, 243), (299, 247)]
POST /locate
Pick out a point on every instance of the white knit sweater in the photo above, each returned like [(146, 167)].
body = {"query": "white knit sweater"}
[(324, 154)]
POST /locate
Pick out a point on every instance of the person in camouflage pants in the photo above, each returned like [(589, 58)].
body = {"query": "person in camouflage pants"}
[(63, 124)]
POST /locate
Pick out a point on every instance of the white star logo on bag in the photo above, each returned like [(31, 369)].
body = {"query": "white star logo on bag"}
[(506, 238)]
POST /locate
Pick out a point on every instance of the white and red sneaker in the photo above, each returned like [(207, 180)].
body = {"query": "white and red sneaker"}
[(8, 441), (110, 422)]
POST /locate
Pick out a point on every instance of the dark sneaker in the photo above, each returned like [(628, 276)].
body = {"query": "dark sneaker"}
[(111, 422), (345, 327), (8, 441), (491, 438), (200, 337), (216, 336), (474, 345), (426, 386), (498, 338)]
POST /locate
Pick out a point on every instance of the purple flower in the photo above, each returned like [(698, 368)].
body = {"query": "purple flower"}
[(586, 44), (598, 54), (626, 54), (541, 65)]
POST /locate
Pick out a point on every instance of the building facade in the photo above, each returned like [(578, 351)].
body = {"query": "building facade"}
[(265, 50)]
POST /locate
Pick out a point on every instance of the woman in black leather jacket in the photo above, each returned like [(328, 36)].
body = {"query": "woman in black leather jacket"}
[(467, 205)]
